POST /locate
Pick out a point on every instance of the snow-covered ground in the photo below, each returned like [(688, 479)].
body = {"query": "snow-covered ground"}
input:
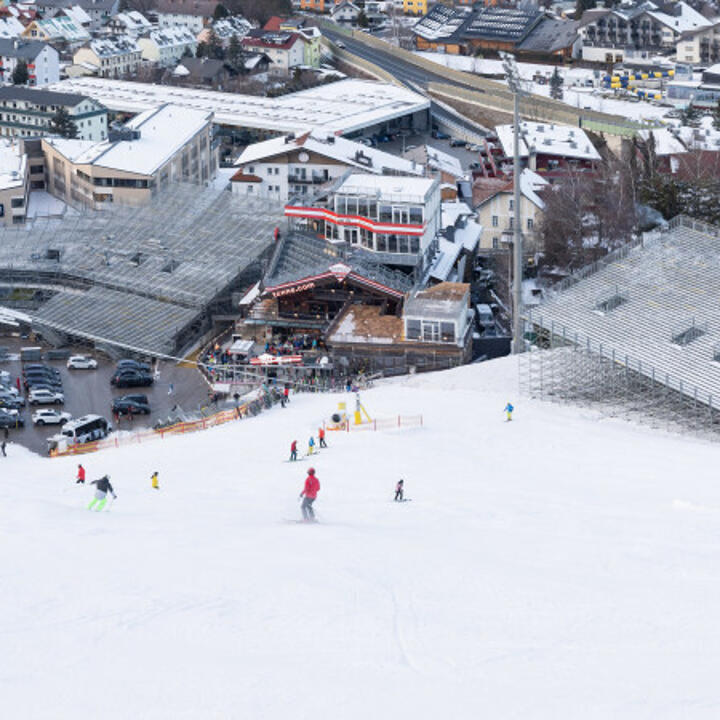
[(577, 97), (557, 566)]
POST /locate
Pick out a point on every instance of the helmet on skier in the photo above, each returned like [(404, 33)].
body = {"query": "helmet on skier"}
[(311, 471)]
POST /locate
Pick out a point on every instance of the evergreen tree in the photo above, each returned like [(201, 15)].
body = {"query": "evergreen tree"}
[(220, 12), (582, 5), (691, 116), (362, 19), (234, 53), (215, 49), (62, 124), (716, 116), (556, 83), (20, 75)]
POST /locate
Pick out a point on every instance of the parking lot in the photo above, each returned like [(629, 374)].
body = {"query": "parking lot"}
[(89, 391)]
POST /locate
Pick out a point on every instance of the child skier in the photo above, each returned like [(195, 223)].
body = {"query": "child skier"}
[(80, 475), (399, 491), (155, 481), (311, 445), (103, 486), (321, 435), (309, 494), (509, 411), (293, 450)]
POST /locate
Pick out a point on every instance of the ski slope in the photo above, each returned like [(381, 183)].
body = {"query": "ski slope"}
[(558, 566)]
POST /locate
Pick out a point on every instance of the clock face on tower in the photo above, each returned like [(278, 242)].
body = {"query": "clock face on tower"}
[(303, 157)]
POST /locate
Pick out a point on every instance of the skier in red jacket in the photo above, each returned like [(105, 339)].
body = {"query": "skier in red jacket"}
[(293, 450), (309, 493)]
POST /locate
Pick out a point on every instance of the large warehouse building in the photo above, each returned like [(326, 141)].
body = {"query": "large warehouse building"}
[(345, 107)]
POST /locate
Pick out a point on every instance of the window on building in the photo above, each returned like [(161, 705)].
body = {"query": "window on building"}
[(530, 223), (430, 331), (269, 171), (447, 332), (510, 204), (413, 329), (414, 245), (416, 215), (494, 220), (495, 243), (17, 202)]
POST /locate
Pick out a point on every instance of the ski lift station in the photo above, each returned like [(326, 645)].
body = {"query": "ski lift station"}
[(346, 107)]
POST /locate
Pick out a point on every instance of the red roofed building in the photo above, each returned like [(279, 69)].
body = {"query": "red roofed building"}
[(286, 50)]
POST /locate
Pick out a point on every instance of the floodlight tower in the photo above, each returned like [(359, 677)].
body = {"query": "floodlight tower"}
[(513, 81)]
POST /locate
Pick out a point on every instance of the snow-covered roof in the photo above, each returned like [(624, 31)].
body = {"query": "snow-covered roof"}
[(78, 15), (134, 21), (548, 139), (443, 162), (10, 27), (234, 26), (388, 187), (469, 235), (114, 46), (344, 106), (445, 260), (530, 184), (452, 211), (63, 28), (163, 131), (171, 37), (687, 19), (333, 147), (12, 165), (665, 142)]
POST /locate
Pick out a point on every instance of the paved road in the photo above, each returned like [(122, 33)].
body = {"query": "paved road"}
[(414, 77), (89, 391)]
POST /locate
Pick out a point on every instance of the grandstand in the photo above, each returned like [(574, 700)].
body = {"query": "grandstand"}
[(638, 329), (148, 278)]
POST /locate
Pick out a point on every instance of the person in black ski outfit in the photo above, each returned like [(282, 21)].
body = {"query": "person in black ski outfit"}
[(399, 491), (103, 487)]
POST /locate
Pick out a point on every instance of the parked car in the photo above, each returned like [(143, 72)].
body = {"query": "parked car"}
[(457, 142), (131, 405), (44, 372), (11, 419), (130, 364), (30, 367), (43, 396), (472, 147), (131, 378), (81, 362), (41, 381), (5, 378), (50, 417), (340, 44), (11, 401), (440, 135)]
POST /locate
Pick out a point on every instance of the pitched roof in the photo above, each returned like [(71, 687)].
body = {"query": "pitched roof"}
[(25, 49), (551, 36), (328, 145), (201, 8), (40, 97), (278, 41), (204, 68)]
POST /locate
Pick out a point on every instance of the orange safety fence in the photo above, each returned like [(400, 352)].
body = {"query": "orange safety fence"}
[(388, 423), (219, 418)]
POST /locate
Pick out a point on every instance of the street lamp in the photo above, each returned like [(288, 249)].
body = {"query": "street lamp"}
[(513, 81)]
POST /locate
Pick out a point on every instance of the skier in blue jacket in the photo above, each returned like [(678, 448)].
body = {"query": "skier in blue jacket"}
[(509, 411)]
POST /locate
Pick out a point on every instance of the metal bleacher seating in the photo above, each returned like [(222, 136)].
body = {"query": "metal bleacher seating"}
[(663, 314)]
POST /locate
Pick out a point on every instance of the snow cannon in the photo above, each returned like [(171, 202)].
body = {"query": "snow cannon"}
[(339, 418)]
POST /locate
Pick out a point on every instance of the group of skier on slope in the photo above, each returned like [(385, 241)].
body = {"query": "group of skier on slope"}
[(103, 487), (308, 495)]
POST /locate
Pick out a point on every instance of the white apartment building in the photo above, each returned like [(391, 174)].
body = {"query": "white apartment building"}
[(191, 14), (286, 50), (166, 46), (61, 29), (26, 112), (43, 60), (289, 166), (157, 147), (113, 56), (14, 182), (131, 22)]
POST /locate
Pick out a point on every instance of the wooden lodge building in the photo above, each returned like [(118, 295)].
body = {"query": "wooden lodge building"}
[(361, 315)]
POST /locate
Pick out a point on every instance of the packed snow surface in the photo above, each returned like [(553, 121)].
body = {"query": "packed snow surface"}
[(557, 566)]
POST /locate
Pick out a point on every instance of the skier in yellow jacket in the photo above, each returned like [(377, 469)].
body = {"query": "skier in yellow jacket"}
[(154, 480)]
